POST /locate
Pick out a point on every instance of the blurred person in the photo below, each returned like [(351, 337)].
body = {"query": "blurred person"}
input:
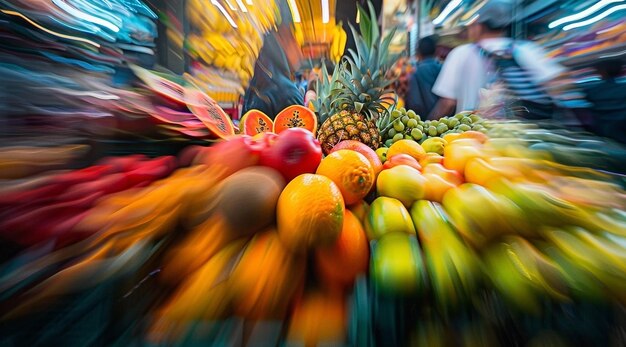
[(311, 93), (495, 66), (608, 97), (419, 96), (271, 89)]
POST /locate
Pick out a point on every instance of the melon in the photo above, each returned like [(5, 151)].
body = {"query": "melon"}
[(255, 122), (247, 199), (210, 113), (295, 116), (162, 86)]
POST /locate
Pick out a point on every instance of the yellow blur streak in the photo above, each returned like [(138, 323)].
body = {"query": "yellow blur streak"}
[(13, 13)]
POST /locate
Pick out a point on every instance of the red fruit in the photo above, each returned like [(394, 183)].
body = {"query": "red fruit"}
[(83, 175), (121, 164), (106, 185), (295, 151), (234, 154), (266, 139), (362, 148), (402, 159), (187, 156)]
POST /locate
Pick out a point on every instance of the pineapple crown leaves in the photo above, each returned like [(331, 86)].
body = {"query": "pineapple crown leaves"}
[(324, 89), (364, 74)]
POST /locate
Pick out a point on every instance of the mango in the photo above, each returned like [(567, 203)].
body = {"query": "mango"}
[(401, 182), (397, 265), (434, 145), (481, 215), (387, 215)]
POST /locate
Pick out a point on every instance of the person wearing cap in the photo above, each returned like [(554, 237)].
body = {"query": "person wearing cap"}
[(467, 71)]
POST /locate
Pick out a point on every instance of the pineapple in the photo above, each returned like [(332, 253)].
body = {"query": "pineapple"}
[(350, 104)]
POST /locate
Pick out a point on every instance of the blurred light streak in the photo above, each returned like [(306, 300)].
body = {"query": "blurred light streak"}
[(13, 13), (232, 8), (580, 15), (612, 55), (85, 16), (472, 20), (294, 11), (596, 18), (325, 12), (225, 13), (101, 96), (358, 16), (452, 5), (249, 2), (242, 6)]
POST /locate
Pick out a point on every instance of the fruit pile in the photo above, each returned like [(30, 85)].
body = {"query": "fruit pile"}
[(409, 125), (267, 228)]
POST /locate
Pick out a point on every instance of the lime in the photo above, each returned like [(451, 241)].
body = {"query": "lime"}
[(417, 134), (466, 120), (398, 137), (442, 128), (398, 126), (388, 143), (464, 127), (432, 131), (391, 133), (475, 118), (412, 123), (405, 119), (453, 122), (396, 114)]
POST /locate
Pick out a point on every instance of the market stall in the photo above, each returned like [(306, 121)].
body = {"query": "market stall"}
[(358, 223)]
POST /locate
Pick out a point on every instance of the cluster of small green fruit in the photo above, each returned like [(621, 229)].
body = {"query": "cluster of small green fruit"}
[(408, 125)]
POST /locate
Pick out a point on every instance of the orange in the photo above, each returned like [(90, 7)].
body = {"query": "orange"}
[(309, 212), (351, 171), (359, 210), (339, 264), (266, 278), (320, 318), (362, 148), (409, 147)]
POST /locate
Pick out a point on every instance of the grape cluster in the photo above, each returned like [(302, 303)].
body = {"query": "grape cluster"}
[(409, 125)]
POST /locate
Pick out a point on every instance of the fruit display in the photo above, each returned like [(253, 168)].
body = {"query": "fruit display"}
[(358, 225), (267, 228)]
